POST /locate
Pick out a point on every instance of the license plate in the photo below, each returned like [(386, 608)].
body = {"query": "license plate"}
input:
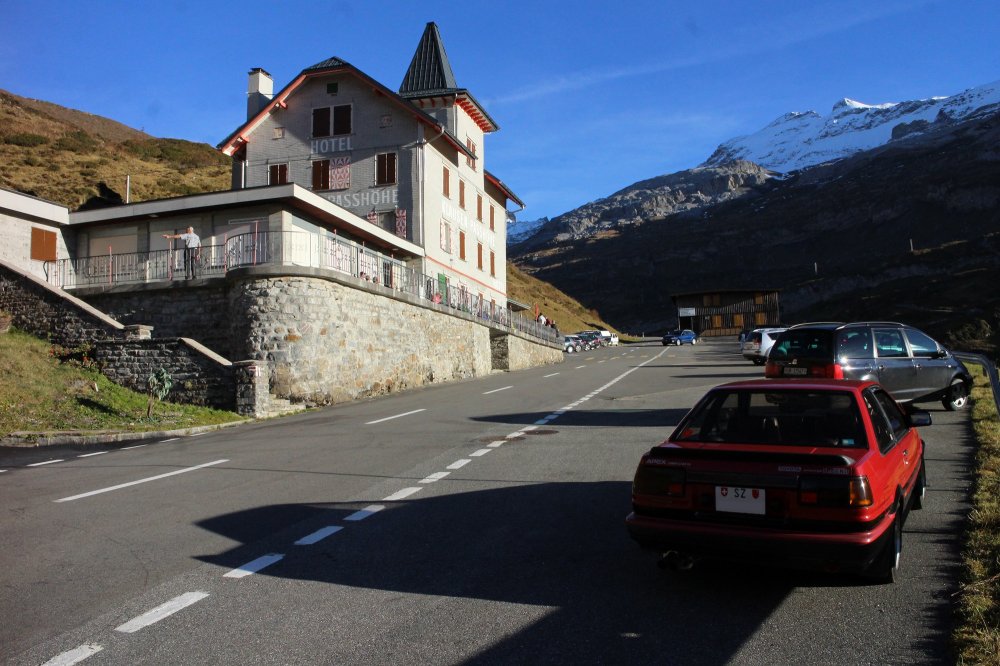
[(796, 371), (739, 500)]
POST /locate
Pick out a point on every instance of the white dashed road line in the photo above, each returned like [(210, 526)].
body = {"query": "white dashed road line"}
[(135, 483), (47, 462), (254, 566), (480, 452), (74, 656), (552, 375), (402, 494), (459, 463), (88, 455), (498, 390), (397, 416), (318, 535), (160, 612), (436, 476), (127, 448), (364, 513)]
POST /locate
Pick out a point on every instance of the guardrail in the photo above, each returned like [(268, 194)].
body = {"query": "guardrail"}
[(290, 248), (990, 368)]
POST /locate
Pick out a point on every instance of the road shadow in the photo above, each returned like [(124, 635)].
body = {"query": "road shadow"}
[(562, 546)]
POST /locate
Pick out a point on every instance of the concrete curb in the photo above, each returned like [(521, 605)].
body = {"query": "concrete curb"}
[(30, 440)]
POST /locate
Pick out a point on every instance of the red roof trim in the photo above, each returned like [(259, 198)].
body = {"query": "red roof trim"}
[(242, 134)]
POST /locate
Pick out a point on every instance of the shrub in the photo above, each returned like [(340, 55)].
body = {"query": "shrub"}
[(77, 142), (25, 139)]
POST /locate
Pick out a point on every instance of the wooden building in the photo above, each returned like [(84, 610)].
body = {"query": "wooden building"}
[(717, 313)]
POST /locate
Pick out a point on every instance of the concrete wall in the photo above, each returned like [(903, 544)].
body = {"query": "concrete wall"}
[(19, 214)]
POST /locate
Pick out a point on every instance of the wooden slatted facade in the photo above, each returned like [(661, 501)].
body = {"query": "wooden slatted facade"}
[(719, 313)]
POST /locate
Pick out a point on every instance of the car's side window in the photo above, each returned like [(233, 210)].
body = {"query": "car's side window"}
[(897, 420), (883, 431), (889, 343), (923, 346), (854, 343)]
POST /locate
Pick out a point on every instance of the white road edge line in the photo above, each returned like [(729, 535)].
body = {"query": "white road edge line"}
[(254, 566), (161, 611), (361, 514), (135, 483), (459, 463), (318, 535), (74, 656), (497, 390), (402, 494), (397, 416), (47, 462)]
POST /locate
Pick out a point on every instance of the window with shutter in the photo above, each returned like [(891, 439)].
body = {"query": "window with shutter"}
[(385, 168), (321, 122), (342, 119), (43, 244), (321, 175)]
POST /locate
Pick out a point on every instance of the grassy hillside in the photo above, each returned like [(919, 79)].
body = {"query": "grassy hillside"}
[(39, 393), (64, 155), (568, 314)]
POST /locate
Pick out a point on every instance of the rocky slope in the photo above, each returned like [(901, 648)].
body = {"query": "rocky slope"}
[(654, 199)]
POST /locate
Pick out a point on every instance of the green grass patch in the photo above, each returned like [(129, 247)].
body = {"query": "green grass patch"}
[(41, 394), (977, 633)]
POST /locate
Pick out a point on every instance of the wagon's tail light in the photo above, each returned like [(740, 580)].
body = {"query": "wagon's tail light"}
[(831, 371), (650, 480), (835, 491)]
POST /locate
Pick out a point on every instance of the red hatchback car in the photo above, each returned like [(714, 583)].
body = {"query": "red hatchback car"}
[(811, 473)]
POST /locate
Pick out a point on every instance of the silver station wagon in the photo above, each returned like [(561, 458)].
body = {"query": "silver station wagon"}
[(908, 363)]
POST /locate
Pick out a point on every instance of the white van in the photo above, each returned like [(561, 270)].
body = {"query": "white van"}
[(610, 339)]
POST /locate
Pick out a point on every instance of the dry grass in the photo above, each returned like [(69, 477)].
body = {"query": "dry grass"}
[(977, 634)]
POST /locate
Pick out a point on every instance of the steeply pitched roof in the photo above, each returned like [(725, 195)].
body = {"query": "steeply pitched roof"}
[(430, 71)]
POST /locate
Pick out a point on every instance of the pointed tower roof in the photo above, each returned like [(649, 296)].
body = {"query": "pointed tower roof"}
[(430, 71), (430, 77)]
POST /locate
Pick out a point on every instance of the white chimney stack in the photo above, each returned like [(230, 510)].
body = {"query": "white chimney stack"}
[(259, 91)]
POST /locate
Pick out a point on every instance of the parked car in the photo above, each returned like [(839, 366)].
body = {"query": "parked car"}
[(911, 365), (680, 337), (756, 345), (593, 338), (610, 339), (572, 343), (812, 473)]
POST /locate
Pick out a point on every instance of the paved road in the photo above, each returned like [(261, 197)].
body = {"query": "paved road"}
[(478, 522)]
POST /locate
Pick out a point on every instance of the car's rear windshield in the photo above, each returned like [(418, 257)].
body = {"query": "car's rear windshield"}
[(803, 343), (782, 417)]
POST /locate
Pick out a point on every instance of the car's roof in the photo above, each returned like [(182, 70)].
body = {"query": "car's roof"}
[(798, 384), (833, 325)]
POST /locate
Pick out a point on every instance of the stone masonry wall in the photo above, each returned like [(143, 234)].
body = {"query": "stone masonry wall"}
[(511, 352), (327, 342), (199, 377), (51, 313)]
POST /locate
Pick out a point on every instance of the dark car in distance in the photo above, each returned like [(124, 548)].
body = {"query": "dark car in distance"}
[(680, 337), (911, 365), (817, 474)]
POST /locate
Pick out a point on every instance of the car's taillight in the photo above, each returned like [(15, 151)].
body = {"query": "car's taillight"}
[(831, 371), (835, 491), (772, 369), (651, 480)]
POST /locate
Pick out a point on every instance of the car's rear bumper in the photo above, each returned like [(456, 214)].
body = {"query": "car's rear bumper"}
[(839, 551)]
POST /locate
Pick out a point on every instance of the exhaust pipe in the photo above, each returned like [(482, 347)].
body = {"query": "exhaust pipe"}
[(676, 561)]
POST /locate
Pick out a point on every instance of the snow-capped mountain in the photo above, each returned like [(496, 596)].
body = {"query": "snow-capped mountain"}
[(802, 139), (518, 230)]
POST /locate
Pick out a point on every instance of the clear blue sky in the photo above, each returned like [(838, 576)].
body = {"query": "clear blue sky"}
[(590, 96)]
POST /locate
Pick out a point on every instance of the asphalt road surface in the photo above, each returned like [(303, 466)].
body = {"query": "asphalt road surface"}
[(479, 522)]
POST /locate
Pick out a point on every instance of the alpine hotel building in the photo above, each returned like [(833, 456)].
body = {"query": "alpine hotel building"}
[(410, 163)]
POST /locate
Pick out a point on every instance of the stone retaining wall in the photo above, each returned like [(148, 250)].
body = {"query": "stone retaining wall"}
[(511, 352)]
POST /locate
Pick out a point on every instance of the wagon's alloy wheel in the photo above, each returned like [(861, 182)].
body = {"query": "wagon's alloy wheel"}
[(956, 397)]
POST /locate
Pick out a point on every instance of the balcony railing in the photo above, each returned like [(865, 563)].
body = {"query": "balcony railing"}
[(288, 248)]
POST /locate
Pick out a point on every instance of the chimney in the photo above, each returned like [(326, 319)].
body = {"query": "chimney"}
[(259, 91)]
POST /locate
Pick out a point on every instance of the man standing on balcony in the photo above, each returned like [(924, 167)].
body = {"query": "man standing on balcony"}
[(192, 251)]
